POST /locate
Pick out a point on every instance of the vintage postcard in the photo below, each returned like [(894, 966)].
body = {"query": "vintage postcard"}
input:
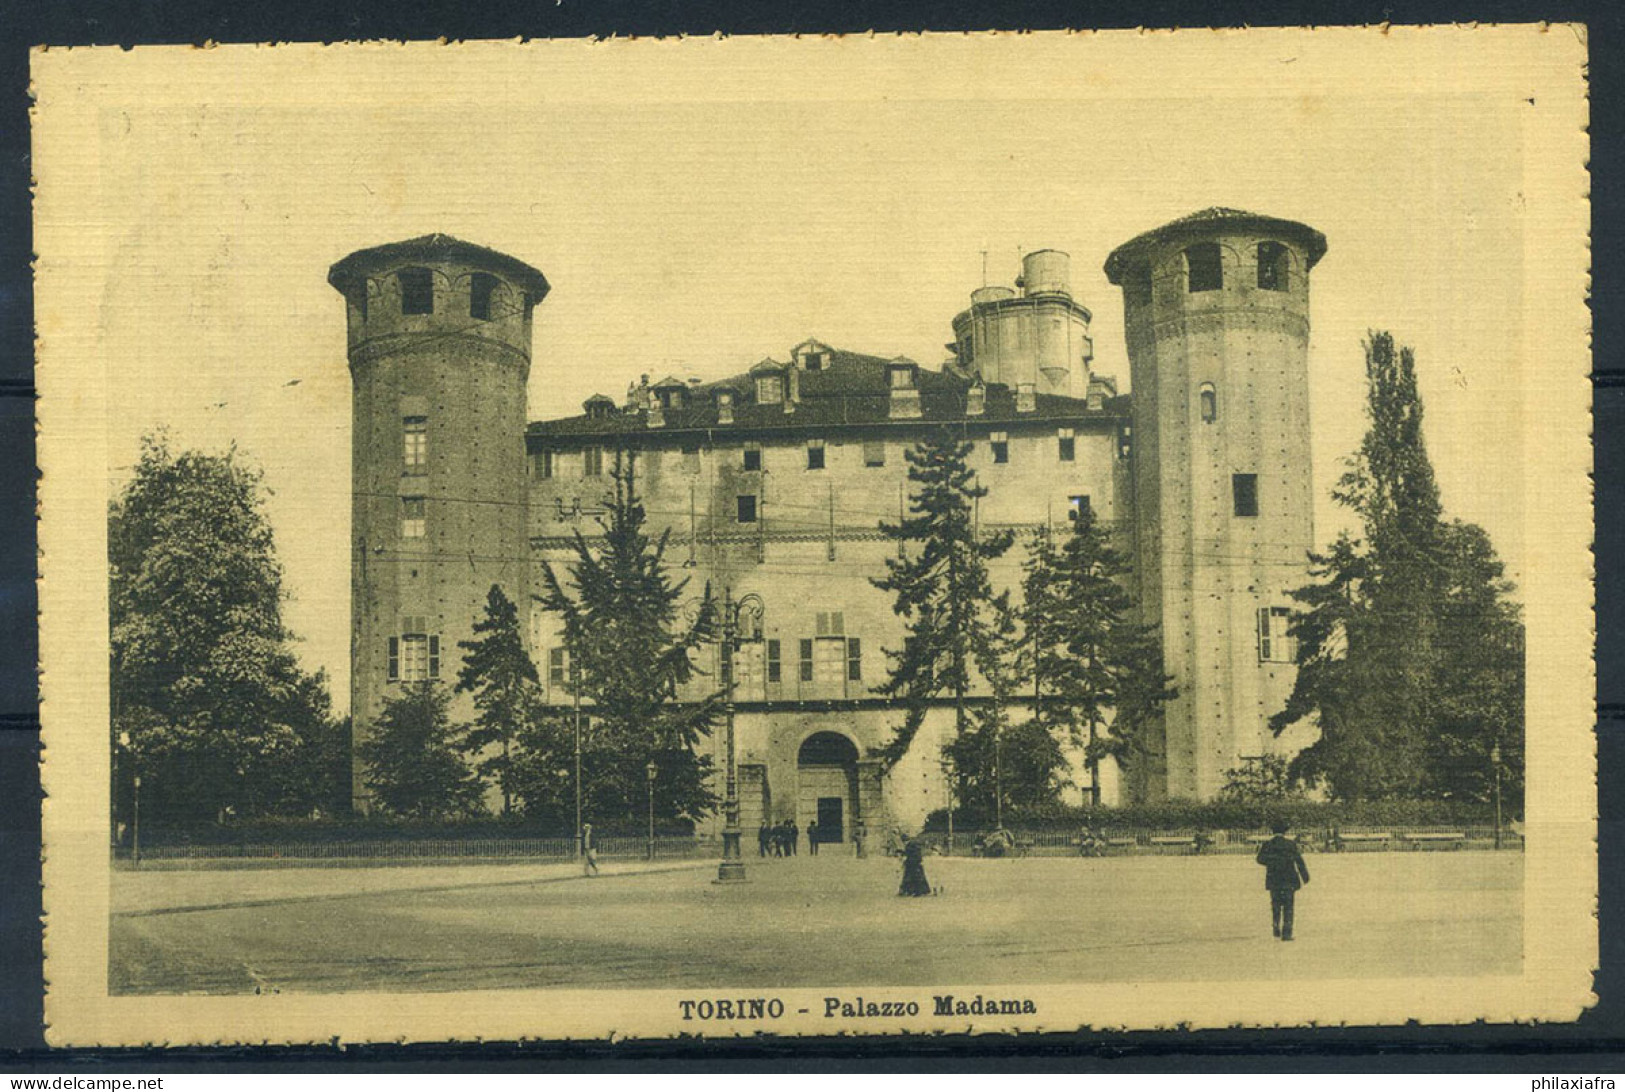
[(814, 536)]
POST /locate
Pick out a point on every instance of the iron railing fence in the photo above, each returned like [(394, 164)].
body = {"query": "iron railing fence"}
[(1108, 841), (421, 850)]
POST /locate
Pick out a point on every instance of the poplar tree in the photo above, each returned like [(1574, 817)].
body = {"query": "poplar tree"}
[(632, 649), (954, 624), (1409, 653), (499, 673)]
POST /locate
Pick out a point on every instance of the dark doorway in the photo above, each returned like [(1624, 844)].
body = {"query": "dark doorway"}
[(830, 810)]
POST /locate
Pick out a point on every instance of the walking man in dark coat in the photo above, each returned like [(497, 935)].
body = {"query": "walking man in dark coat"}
[(792, 835), (762, 836), (1284, 873), (812, 837)]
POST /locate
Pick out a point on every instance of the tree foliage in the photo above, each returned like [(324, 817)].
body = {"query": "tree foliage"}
[(1410, 654), (632, 651), (414, 757), (1095, 671), (205, 686), (955, 627), (499, 673)]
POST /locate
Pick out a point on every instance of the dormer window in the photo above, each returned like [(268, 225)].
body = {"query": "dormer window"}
[(480, 290), (815, 362), (670, 393), (599, 406), (900, 377), (417, 291), (769, 389), (812, 356)]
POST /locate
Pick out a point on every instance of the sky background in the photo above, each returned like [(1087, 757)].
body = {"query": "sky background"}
[(698, 206)]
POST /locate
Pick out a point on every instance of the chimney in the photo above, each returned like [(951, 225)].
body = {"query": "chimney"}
[(1026, 399), (657, 414), (725, 407), (976, 401), (1101, 387)]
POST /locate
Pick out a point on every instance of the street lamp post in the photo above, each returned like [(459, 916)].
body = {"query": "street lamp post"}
[(1495, 763), (652, 770), (135, 785), (575, 693), (732, 867)]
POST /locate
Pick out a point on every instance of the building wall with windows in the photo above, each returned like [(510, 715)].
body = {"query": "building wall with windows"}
[(772, 484)]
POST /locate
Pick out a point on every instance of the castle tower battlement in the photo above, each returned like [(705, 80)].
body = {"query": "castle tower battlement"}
[(1216, 312), (439, 352)]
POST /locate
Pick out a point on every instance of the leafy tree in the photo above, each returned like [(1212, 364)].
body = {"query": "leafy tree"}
[(498, 672), (1085, 653), (205, 686), (954, 624), (1409, 654), (632, 653), (414, 760), (1265, 779)]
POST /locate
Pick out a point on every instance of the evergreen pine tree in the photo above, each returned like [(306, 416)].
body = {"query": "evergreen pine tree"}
[(954, 624), (1085, 655), (1409, 655), (632, 652), (413, 757), (498, 672)]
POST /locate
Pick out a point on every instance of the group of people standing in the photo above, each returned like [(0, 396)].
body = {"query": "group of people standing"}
[(781, 839)]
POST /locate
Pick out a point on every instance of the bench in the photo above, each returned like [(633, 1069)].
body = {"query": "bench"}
[(1451, 839)]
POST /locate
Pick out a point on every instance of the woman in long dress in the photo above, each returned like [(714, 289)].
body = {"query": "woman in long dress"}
[(914, 881)]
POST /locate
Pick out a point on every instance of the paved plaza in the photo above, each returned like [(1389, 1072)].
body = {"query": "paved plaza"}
[(829, 920)]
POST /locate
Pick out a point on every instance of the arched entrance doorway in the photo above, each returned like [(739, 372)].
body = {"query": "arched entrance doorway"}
[(827, 785)]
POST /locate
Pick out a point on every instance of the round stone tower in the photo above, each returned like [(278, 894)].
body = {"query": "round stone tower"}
[(1039, 339), (1216, 314), (439, 348)]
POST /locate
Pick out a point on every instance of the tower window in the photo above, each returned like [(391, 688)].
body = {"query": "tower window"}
[(541, 465), (747, 508), (1275, 644), (1078, 507), (480, 290), (806, 659), (1244, 493), (592, 462), (874, 453), (415, 431), (1272, 267), (1205, 269), (1000, 443), (414, 517), (815, 455), (1210, 403), (854, 659), (775, 669), (417, 291), (415, 654), (558, 666), (1066, 445), (753, 457)]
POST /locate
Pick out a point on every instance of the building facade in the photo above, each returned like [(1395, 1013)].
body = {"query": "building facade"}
[(772, 484)]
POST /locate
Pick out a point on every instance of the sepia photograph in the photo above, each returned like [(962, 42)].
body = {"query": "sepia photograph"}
[(872, 535)]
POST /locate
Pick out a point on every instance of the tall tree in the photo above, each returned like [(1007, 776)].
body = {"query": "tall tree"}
[(414, 757), (632, 651), (955, 626), (1085, 654), (499, 673), (1389, 661), (209, 702)]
